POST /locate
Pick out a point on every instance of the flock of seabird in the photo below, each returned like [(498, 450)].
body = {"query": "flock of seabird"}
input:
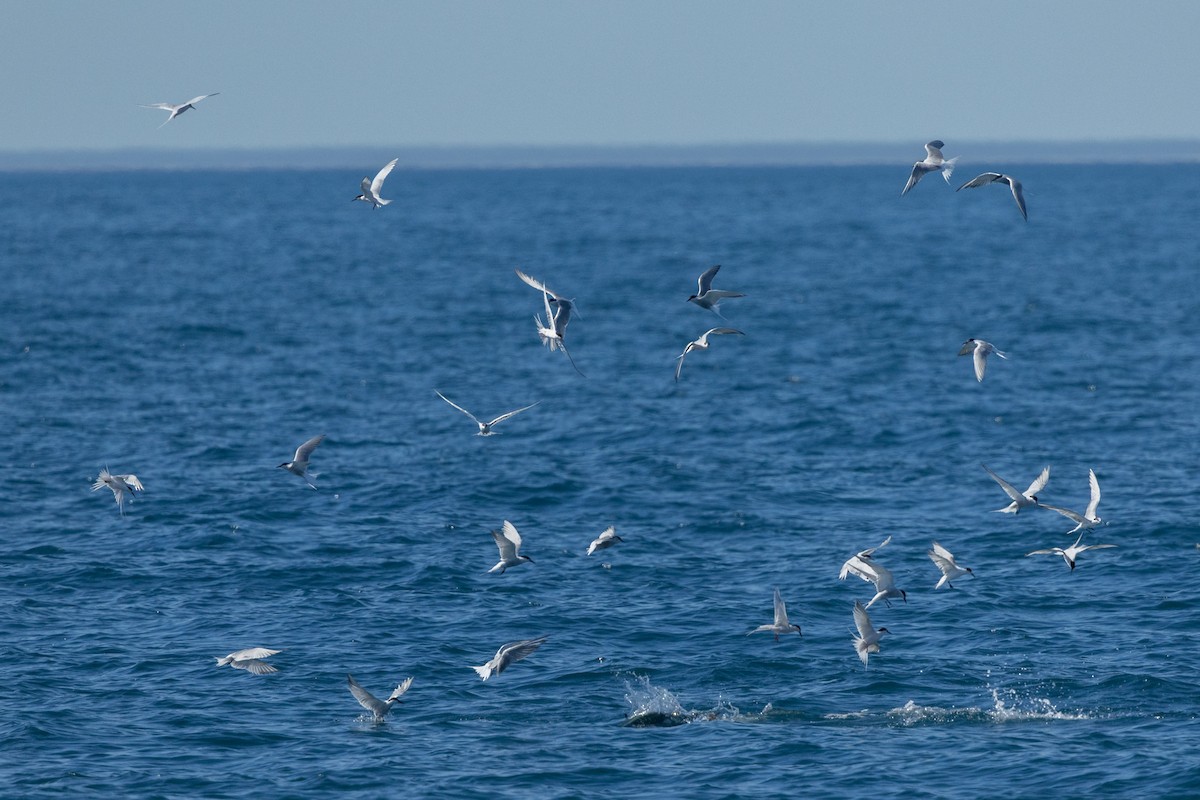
[(558, 310)]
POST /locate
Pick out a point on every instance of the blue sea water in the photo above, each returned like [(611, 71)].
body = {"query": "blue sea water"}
[(195, 327)]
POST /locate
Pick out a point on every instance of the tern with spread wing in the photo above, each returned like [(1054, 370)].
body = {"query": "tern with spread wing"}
[(864, 566), (868, 636), (370, 702), (177, 109), (934, 162), (299, 464), (1088, 518), (1025, 499), (554, 330), (372, 187), (980, 350), (945, 562), (508, 540), (701, 344), (123, 486), (1070, 554), (485, 428), (996, 177), (508, 655), (605, 540), (708, 297), (251, 660), (781, 624)]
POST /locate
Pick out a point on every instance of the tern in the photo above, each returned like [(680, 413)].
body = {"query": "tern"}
[(553, 331), (370, 702), (995, 177), (507, 655), (866, 568), (708, 297), (299, 463), (485, 428), (1088, 518), (781, 624), (701, 344), (123, 486), (605, 540), (509, 542), (1071, 553), (945, 562), (176, 110), (1020, 500), (864, 554), (868, 636), (980, 350), (372, 187), (250, 660), (932, 163)]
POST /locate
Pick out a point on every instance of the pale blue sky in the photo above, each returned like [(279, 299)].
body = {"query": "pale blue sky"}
[(302, 73)]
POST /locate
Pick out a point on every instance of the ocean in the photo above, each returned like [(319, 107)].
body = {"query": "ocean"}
[(194, 327)]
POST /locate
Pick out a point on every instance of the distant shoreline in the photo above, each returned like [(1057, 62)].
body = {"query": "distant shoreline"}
[(1142, 151)]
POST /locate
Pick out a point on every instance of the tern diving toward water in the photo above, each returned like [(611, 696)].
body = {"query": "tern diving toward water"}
[(508, 540), (299, 463), (945, 562), (996, 177), (864, 566), (701, 344), (508, 655), (1025, 499), (933, 163), (1071, 553), (372, 187), (605, 540), (123, 486), (868, 636), (980, 350), (781, 624), (1088, 518), (485, 428), (553, 331), (177, 109), (251, 660), (370, 702), (708, 297)]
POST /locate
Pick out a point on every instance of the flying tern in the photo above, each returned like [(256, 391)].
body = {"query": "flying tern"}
[(508, 540), (980, 350), (1071, 553), (868, 636), (781, 624), (299, 463), (177, 109), (933, 162), (507, 655), (485, 428), (605, 540), (1088, 518), (554, 329), (372, 187), (370, 702), (864, 566), (701, 344), (945, 562), (251, 660), (708, 297), (123, 486), (1020, 500), (996, 177)]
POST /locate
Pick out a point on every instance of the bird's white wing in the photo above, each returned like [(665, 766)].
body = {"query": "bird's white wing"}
[(870, 551), (706, 279), (942, 558), (860, 568), (980, 363), (918, 171), (377, 183), (1038, 484), (365, 699), (456, 405), (1018, 194), (981, 180), (1095, 547), (163, 106), (883, 576), (780, 609), (401, 689), (253, 666), (1050, 551), (1008, 488), (305, 450), (195, 100), (1095, 501), (862, 621), (132, 482), (502, 417), (933, 150), (536, 284), (942, 552), (679, 361), (515, 651), (1066, 512), (252, 652)]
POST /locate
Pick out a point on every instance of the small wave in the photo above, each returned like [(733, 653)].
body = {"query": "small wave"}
[(655, 707), (1007, 706)]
